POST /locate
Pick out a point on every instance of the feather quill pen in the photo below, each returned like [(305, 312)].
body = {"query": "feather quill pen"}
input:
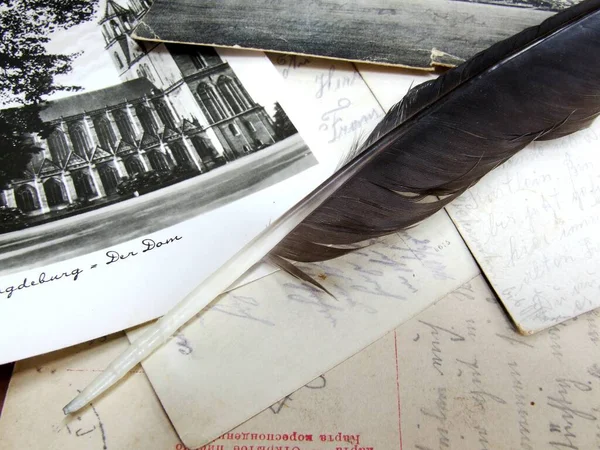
[(444, 136)]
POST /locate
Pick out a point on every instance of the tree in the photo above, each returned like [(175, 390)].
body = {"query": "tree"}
[(283, 125), (28, 71), (17, 146)]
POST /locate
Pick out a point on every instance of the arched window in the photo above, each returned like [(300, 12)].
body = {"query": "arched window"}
[(209, 100), (80, 139), (59, 149), (164, 112), (158, 161), (105, 133), (180, 154), (55, 192), (84, 186), (146, 119), (234, 129), (143, 71), (27, 198), (204, 149), (198, 61), (109, 178), (118, 60), (250, 126), (233, 92), (124, 125), (134, 166)]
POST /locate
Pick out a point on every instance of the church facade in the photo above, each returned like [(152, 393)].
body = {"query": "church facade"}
[(178, 109)]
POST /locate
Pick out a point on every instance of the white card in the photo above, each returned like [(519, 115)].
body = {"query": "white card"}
[(138, 253)]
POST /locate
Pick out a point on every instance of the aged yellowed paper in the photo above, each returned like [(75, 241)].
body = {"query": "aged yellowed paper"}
[(129, 418), (456, 377)]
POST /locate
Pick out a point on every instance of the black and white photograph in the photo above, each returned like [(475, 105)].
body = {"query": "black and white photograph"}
[(105, 139), (408, 33)]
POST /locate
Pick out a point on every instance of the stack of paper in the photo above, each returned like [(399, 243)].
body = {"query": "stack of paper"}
[(455, 376)]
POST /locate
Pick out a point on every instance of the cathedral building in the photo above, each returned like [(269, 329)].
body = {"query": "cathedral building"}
[(178, 108)]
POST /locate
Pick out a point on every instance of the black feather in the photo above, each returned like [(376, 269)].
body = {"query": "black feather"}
[(446, 134), (294, 271)]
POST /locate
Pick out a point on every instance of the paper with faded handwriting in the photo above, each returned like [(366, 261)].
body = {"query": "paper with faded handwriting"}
[(533, 226), (457, 376), (280, 334), (266, 339), (532, 222), (467, 380), (269, 337)]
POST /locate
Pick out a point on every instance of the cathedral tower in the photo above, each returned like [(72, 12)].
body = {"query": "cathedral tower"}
[(116, 24)]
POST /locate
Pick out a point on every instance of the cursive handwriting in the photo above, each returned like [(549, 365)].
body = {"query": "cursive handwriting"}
[(241, 306), (330, 81), (440, 414), (436, 351), (147, 246), (543, 243), (478, 394), (521, 404), (41, 279), (291, 62), (183, 344), (569, 413), (337, 126)]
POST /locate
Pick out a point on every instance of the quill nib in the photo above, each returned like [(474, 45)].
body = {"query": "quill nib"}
[(73, 406)]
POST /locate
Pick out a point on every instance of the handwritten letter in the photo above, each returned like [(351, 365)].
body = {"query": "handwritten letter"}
[(467, 380), (533, 226)]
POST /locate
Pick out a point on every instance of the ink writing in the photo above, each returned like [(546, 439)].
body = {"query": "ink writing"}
[(147, 246), (336, 125), (291, 62), (42, 278)]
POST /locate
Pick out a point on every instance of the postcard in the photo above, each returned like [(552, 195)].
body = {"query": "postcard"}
[(410, 33), (270, 337), (166, 161)]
